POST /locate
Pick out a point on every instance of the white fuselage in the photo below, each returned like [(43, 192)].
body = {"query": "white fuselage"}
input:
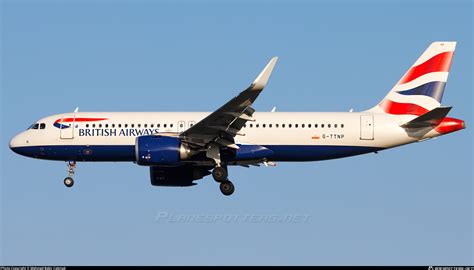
[(291, 133)]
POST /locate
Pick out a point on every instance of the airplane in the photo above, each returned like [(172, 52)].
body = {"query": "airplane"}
[(182, 147)]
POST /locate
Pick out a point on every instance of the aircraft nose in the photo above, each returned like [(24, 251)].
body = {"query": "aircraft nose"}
[(13, 143), (17, 143), (20, 144)]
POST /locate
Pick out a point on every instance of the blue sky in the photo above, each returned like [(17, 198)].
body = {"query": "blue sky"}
[(409, 205)]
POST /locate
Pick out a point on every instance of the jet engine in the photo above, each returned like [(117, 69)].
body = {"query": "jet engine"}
[(160, 150), (181, 176)]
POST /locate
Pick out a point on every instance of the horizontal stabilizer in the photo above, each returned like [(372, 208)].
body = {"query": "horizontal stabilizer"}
[(429, 119)]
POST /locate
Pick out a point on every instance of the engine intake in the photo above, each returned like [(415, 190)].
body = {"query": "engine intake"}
[(160, 150)]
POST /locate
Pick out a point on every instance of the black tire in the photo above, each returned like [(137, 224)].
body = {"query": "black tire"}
[(227, 188), (68, 182), (219, 174)]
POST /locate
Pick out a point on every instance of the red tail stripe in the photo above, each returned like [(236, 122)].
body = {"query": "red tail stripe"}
[(449, 125), (438, 63), (392, 107), (64, 120)]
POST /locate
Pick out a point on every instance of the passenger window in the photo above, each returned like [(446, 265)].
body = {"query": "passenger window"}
[(42, 126), (251, 125), (276, 125), (164, 125), (139, 125), (145, 126), (157, 125), (245, 125), (289, 125), (315, 125), (322, 125), (329, 125), (132, 125), (113, 125), (171, 125), (302, 125), (119, 125), (335, 125), (309, 125), (93, 125), (100, 125), (342, 125), (106, 125), (263, 125), (87, 125), (152, 125), (270, 125), (283, 125)]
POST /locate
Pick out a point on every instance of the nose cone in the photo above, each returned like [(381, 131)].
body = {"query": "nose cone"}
[(19, 144), (14, 144)]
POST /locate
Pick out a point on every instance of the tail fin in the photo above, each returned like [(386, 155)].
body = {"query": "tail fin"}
[(421, 88)]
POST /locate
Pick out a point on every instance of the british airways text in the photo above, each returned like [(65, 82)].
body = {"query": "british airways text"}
[(86, 132)]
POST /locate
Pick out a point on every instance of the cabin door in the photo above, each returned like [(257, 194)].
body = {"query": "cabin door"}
[(366, 127), (66, 127)]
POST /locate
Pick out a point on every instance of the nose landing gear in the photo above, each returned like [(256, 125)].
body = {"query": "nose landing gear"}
[(69, 181)]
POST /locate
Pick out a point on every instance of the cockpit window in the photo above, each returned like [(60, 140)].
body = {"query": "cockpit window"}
[(38, 126)]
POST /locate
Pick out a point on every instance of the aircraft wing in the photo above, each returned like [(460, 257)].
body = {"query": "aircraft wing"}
[(225, 123)]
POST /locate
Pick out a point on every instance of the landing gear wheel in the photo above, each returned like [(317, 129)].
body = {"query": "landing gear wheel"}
[(219, 174), (227, 188), (68, 181)]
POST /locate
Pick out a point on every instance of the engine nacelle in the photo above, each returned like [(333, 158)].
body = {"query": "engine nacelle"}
[(181, 176), (160, 150)]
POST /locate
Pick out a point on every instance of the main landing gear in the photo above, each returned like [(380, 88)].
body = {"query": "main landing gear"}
[(220, 175), (220, 172), (68, 181), (227, 188)]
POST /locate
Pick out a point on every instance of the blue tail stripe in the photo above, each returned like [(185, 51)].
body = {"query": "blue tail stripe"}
[(431, 89)]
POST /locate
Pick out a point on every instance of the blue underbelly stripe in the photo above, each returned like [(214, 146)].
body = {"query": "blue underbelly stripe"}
[(127, 152), (316, 152)]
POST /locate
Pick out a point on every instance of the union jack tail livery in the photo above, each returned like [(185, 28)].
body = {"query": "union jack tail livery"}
[(421, 89)]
